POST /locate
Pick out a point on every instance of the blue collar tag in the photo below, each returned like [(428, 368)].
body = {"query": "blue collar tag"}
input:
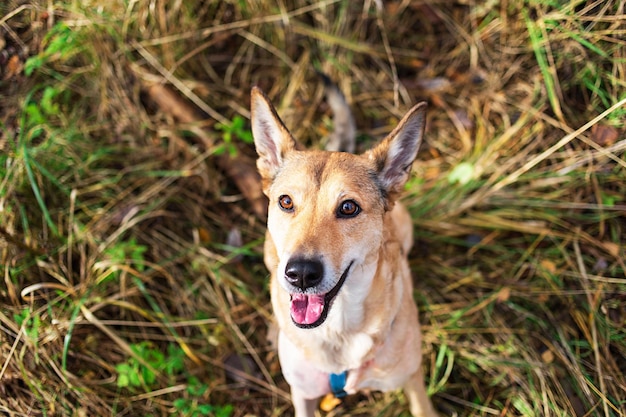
[(338, 383)]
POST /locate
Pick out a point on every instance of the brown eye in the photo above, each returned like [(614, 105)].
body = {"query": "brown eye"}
[(285, 202), (348, 208)]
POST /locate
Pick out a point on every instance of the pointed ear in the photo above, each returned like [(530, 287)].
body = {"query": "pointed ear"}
[(271, 138), (394, 156)]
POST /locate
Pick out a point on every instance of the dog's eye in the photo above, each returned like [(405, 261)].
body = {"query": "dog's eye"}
[(348, 208), (285, 202)]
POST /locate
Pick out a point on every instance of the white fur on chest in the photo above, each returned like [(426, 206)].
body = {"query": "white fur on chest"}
[(342, 352)]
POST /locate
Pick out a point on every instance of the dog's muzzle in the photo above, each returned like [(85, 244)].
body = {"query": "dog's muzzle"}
[(310, 309)]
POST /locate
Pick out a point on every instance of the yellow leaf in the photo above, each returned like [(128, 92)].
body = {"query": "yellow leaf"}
[(504, 294), (548, 266), (329, 402), (612, 248), (204, 235), (547, 356)]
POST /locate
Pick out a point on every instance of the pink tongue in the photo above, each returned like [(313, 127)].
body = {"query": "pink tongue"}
[(306, 309)]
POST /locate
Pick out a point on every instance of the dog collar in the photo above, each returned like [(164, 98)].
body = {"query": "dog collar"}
[(338, 383)]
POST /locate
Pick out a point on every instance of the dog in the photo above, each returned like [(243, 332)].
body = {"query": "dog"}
[(336, 247)]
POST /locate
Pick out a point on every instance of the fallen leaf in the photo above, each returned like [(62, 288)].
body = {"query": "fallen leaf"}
[(604, 135), (543, 298), (548, 266), (432, 85), (204, 235), (391, 8), (432, 173), (547, 356), (14, 66), (612, 248), (504, 294), (417, 63), (329, 402)]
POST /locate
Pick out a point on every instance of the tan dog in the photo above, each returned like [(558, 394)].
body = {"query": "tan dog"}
[(336, 247)]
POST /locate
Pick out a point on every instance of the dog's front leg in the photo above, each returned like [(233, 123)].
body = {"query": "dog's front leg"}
[(415, 391), (303, 406), (308, 384)]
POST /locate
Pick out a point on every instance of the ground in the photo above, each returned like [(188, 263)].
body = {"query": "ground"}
[(131, 219)]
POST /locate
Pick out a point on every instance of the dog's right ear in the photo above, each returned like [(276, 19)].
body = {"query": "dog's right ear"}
[(271, 138), (394, 156)]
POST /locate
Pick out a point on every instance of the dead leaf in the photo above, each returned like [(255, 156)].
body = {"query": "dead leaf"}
[(417, 63), (433, 85), (612, 248), (204, 235), (543, 298), (391, 8), (504, 294), (604, 135), (329, 402), (14, 66), (547, 356), (242, 171), (548, 266), (432, 173)]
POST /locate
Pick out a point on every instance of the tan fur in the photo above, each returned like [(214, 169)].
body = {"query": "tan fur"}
[(371, 329)]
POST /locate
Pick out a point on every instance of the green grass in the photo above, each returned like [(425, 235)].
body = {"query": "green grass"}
[(124, 291)]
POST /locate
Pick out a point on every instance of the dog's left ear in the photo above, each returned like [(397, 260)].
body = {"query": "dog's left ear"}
[(271, 138), (395, 154)]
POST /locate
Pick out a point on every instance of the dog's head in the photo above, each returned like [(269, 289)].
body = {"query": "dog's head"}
[(327, 209)]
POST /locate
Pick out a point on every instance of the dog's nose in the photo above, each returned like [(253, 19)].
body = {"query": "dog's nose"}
[(304, 273)]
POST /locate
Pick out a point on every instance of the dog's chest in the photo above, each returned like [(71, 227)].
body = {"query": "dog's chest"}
[(344, 354), (371, 376), (364, 370)]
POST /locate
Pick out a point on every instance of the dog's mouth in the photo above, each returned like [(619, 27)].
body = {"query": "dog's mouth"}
[(310, 310)]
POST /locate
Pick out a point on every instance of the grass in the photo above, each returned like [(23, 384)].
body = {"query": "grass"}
[(131, 256)]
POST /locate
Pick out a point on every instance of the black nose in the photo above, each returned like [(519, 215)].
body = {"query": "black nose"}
[(304, 273)]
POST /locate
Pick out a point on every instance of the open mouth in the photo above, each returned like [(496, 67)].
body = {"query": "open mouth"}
[(310, 310)]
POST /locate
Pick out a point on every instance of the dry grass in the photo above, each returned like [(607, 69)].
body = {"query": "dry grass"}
[(115, 213)]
